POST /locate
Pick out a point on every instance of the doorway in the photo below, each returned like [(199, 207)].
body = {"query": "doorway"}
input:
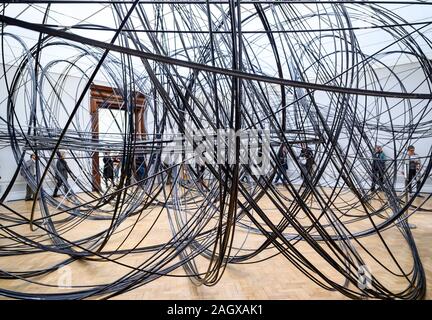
[(108, 111)]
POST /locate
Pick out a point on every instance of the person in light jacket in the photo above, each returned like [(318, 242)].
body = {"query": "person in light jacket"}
[(29, 167), (412, 165)]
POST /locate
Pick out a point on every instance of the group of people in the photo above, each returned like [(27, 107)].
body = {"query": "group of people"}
[(306, 160), (112, 165), (411, 169), (61, 174), (111, 169)]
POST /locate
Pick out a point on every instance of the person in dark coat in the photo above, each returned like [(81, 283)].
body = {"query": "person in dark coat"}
[(307, 160), (378, 168), (108, 170), (283, 162), (140, 167), (61, 174)]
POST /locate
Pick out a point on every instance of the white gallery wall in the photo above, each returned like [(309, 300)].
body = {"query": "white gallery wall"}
[(46, 115), (71, 86)]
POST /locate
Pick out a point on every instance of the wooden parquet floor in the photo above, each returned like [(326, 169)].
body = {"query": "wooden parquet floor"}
[(275, 278)]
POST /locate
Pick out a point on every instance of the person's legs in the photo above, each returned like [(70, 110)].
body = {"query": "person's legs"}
[(280, 174), (304, 175), (285, 169), (411, 175), (374, 180), (169, 176), (202, 176), (380, 180), (57, 187), (202, 172), (418, 187), (29, 193), (65, 188), (309, 169)]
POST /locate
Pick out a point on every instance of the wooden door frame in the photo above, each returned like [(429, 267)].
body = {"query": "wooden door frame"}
[(108, 98)]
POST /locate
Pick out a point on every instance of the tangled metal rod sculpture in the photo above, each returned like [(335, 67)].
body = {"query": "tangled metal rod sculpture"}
[(187, 74)]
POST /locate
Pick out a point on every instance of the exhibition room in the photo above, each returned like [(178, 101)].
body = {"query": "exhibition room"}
[(215, 150)]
